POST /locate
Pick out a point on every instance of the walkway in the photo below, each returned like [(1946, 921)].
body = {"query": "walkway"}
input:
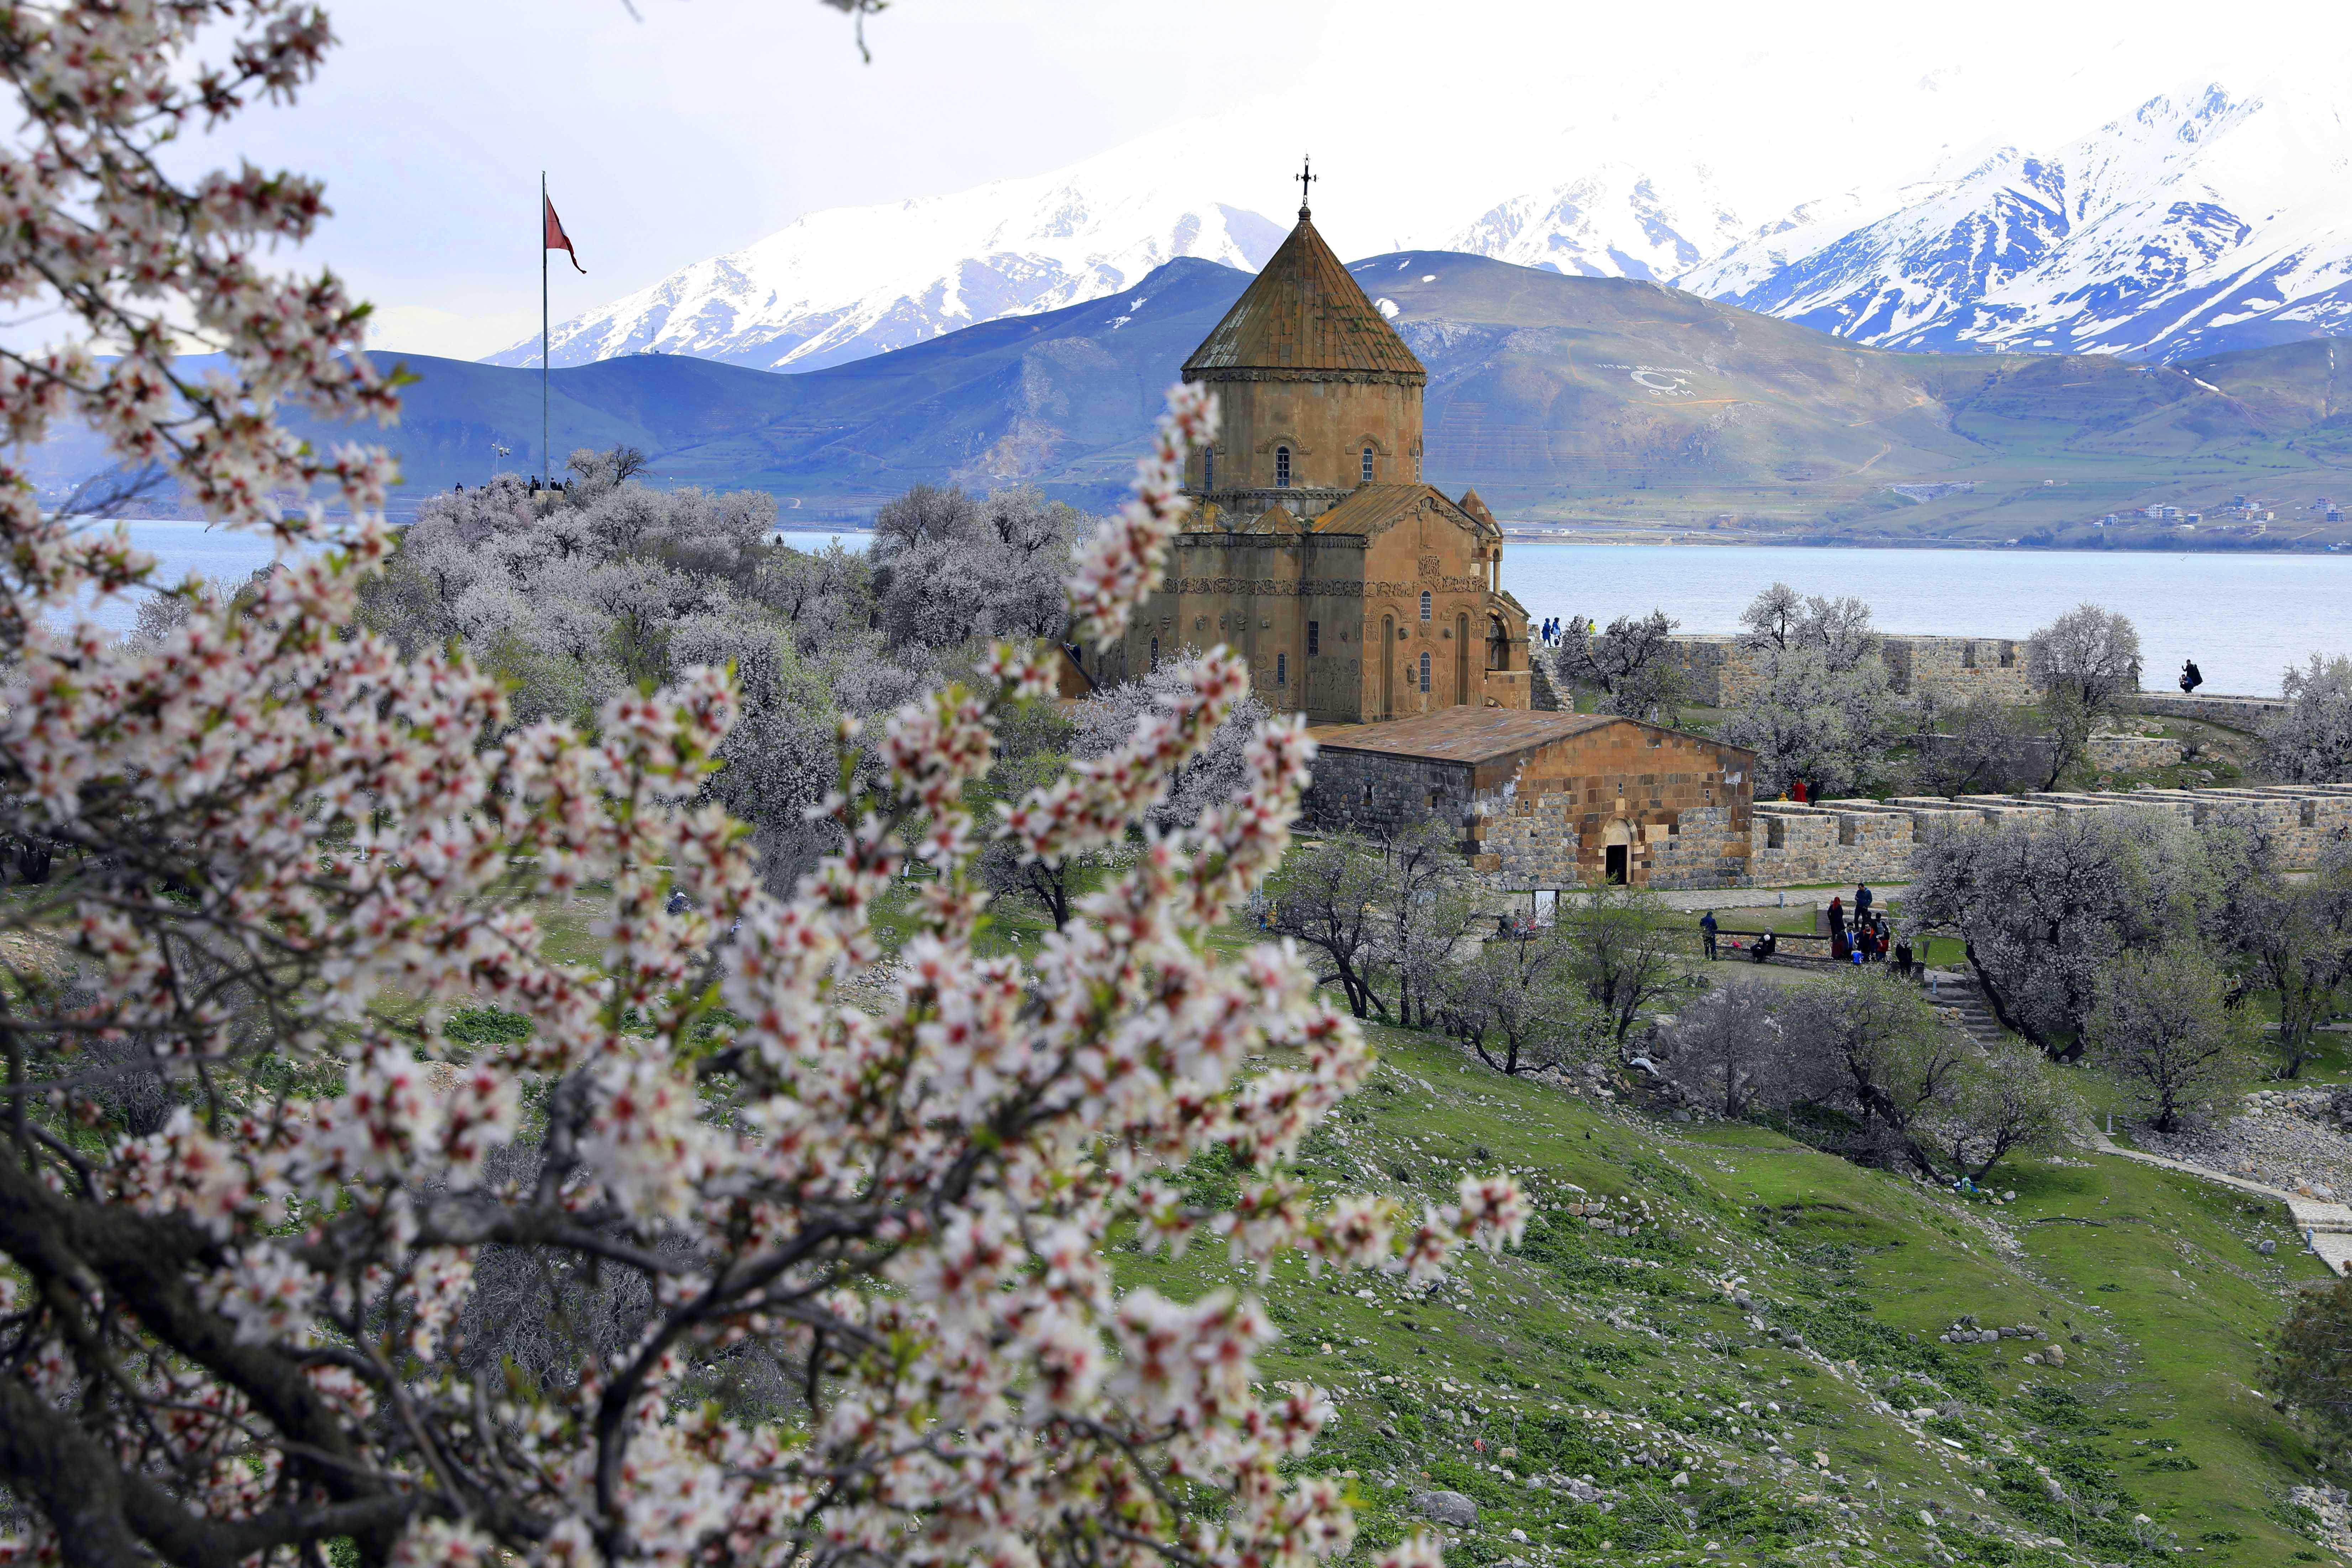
[(2327, 1227), (1761, 898)]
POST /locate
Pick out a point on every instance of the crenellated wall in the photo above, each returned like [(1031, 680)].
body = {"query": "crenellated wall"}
[(1843, 841), (1719, 673)]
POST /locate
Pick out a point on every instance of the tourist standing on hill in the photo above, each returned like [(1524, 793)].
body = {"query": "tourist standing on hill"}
[(1706, 933), (2191, 678), (1862, 899)]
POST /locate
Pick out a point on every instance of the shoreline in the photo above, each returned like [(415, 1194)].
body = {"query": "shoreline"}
[(1703, 538)]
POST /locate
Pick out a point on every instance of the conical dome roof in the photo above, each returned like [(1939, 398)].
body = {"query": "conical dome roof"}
[(1304, 312)]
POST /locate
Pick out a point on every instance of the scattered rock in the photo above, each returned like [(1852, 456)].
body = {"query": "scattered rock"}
[(1446, 1508), (2053, 1356)]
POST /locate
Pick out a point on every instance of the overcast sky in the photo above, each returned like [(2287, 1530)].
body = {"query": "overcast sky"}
[(709, 123)]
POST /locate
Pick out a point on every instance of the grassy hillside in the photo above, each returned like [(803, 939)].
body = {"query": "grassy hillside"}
[(1624, 1355)]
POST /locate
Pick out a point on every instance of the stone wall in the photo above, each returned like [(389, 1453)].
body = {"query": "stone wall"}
[(2247, 714), (1846, 841), (1702, 851), (1955, 670), (1380, 794), (1717, 672), (2131, 753), (1721, 674), (1837, 841)]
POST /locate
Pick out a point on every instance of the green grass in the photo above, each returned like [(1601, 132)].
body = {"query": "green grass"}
[(1551, 1354)]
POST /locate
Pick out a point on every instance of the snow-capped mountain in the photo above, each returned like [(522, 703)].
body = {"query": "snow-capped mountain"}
[(2201, 222), (1612, 221), (852, 281)]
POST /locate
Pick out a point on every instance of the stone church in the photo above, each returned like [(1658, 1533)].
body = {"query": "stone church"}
[(1356, 592)]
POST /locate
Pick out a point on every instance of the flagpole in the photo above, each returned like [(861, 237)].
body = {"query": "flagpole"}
[(546, 458)]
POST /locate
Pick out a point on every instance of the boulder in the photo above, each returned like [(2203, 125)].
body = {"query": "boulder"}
[(1446, 1508)]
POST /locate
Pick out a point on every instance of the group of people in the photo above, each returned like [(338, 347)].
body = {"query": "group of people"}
[(1551, 631), (1861, 936), (1867, 937)]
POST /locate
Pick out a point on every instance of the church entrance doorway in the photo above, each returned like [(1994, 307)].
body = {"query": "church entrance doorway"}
[(1617, 853)]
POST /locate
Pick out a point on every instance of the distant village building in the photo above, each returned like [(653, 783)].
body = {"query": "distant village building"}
[(1356, 592)]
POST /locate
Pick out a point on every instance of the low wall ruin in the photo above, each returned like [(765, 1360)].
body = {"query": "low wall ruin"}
[(1844, 841), (1719, 673), (1837, 843)]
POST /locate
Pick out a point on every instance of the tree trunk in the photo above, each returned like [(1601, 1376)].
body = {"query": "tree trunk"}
[(2005, 1018)]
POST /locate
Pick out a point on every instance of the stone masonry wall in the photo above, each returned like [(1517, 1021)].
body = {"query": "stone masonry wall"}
[(1844, 841), (1532, 841), (2247, 714), (2131, 753), (1699, 851), (1721, 674), (1380, 795)]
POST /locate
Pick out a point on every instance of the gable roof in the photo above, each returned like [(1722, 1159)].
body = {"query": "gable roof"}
[(1368, 508), (1305, 311), (1462, 734), (1468, 735)]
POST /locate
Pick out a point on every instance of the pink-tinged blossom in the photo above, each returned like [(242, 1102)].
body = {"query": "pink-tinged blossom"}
[(313, 849), (268, 1295)]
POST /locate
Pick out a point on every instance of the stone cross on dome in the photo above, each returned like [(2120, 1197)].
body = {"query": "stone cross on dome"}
[(1306, 178)]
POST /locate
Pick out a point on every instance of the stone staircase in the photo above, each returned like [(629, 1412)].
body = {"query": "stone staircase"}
[(1957, 992)]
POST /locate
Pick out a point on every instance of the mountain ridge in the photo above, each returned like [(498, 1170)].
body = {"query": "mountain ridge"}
[(2200, 221), (1563, 399)]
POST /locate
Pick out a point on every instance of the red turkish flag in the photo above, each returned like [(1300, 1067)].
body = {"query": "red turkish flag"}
[(556, 238)]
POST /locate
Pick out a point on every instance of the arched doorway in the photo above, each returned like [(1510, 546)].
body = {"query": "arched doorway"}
[(1388, 667), (1617, 852), (1461, 659)]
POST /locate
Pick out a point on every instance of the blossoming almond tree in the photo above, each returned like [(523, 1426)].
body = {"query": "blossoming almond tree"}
[(224, 1337)]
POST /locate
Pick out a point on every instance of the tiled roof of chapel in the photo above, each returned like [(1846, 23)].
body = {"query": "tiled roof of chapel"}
[(1305, 311)]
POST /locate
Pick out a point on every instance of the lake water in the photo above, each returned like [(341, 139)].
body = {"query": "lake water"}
[(2243, 617)]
